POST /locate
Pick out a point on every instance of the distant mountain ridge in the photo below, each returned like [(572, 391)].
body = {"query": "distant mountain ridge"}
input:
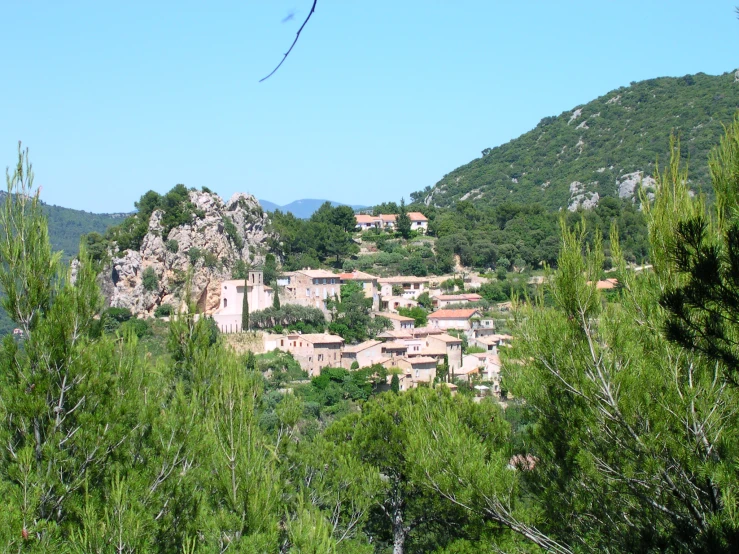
[(303, 208), (604, 148)]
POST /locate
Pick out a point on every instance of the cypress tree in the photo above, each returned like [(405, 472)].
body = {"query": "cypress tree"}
[(245, 307), (395, 384), (276, 298)]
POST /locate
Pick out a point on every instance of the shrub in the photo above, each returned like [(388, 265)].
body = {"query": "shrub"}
[(119, 314), (138, 326), (149, 279), (210, 260), (194, 254), (165, 310), (173, 246)]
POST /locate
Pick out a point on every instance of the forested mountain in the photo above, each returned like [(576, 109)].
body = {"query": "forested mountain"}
[(593, 150)]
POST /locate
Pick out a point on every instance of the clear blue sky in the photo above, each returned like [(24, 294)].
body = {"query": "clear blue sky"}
[(377, 100)]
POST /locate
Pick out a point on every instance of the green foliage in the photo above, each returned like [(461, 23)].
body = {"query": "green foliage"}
[(164, 310), (232, 233), (308, 243), (620, 412), (210, 260), (245, 307), (351, 318), (419, 315), (403, 222), (624, 131), (149, 279), (293, 316), (194, 254), (172, 246)]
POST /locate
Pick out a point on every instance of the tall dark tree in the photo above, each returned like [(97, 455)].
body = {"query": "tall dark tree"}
[(245, 307), (403, 223)]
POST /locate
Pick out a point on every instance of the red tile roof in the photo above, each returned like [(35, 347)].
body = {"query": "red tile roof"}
[(454, 314), (417, 216)]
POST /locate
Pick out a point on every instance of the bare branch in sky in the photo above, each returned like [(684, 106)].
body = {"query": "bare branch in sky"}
[(297, 36)]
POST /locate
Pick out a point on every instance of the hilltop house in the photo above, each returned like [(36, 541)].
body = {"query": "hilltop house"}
[(259, 296), (407, 287), (419, 222), (400, 322)]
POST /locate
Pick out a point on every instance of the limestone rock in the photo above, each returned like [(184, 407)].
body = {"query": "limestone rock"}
[(220, 234)]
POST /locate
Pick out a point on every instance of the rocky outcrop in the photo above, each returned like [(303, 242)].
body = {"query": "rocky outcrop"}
[(219, 235)]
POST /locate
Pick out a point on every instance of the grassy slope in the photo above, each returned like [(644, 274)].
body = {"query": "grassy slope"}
[(628, 129)]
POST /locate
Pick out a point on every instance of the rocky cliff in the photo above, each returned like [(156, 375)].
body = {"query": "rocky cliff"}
[(220, 236)]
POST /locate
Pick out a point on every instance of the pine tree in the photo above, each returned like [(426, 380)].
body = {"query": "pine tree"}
[(404, 221)]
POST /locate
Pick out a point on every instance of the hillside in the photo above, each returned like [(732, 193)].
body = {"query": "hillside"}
[(66, 227), (594, 150), (303, 208)]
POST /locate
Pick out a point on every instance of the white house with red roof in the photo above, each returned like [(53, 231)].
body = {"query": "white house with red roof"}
[(259, 296), (419, 222)]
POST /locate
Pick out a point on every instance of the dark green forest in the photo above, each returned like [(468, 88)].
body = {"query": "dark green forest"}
[(625, 130)]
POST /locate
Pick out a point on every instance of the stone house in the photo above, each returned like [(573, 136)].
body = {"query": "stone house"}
[(391, 304), (422, 368), (309, 287), (454, 319), (365, 353), (410, 286), (259, 296), (313, 351), (419, 222)]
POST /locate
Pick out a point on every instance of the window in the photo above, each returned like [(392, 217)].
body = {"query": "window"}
[(320, 357), (282, 342), (225, 302), (307, 292)]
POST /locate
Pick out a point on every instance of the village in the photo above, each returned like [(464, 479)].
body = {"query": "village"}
[(457, 343)]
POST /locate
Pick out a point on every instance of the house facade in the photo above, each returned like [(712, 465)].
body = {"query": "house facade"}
[(309, 287), (463, 319), (407, 287), (259, 297), (313, 351), (444, 300), (419, 222)]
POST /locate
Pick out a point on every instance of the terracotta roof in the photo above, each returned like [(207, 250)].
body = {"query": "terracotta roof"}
[(393, 334), (313, 273), (421, 360), (417, 216), (454, 314), (353, 349), (461, 297), (363, 218), (394, 346), (389, 217), (607, 284), (322, 338), (396, 317), (422, 331), (359, 275), (446, 338), (404, 279)]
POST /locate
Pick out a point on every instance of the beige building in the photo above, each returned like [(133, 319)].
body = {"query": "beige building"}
[(449, 345), (309, 287), (365, 353), (411, 287), (259, 296), (419, 222), (368, 283), (454, 319), (444, 300), (313, 351), (400, 322), (392, 304), (421, 368)]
